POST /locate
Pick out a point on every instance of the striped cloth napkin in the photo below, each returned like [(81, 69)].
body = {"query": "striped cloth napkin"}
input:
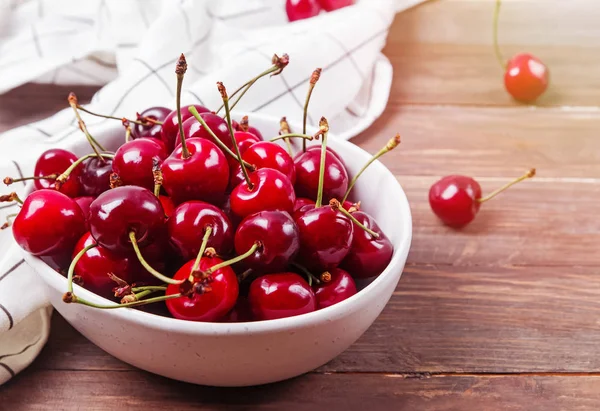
[(130, 47)]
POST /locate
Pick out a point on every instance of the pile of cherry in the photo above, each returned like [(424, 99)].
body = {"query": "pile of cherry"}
[(200, 212)]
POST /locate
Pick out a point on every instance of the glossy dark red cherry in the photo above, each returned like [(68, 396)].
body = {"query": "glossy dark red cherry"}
[(308, 165), (279, 237), (193, 128), (170, 127), (150, 129), (301, 9), (134, 161), (188, 224), (332, 5), (368, 256), (317, 148), (340, 287), (280, 295), (455, 200), (95, 176), (54, 162), (325, 238), (213, 304), (202, 176), (526, 77), (266, 154), (49, 223), (271, 190), (117, 212)]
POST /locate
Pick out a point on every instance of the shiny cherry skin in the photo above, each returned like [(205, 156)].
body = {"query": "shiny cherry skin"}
[(271, 190), (308, 165), (117, 212), (279, 238), (211, 305), (56, 161), (325, 238), (301, 9), (281, 295), (256, 132), (188, 224), (193, 128), (167, 204), (340, 287), (150, 129), (302, 205), (526, 77), (318, 149), (266, 154), (455, 200), (95, 176), (84, 204), (241, 312), (95, 265), (48, 223), (368, 256), (244, 141), (202, 176), (134, 162), (170, 127), (332, 5)]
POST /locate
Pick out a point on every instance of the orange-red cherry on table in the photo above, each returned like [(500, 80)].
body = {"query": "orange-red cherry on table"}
[(526, 77)]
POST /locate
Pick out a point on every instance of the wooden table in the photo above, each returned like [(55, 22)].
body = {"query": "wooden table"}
[(503, 315)]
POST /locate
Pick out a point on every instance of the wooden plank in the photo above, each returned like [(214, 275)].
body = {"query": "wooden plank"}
[(68, 390)]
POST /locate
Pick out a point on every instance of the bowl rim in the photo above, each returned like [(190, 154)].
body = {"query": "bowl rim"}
[(401, 248)]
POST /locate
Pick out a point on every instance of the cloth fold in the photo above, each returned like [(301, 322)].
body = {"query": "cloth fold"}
[(130, 47)]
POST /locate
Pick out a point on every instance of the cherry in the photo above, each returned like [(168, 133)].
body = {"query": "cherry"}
[(193, 128), (122, 210), (526, 77), (215, 297), (279, 238), (187, 226), (301, 9), (270, 190), (301, 203), (307, 175), (318, 149), (167, 205), (281, 295), (241, 312), (368, 256), (150, 129), (170, 127), (54, 162), (49, 223), (84, 204), (244, 141), (339, 287), (95, 176), (331, 5), (134, 161), (266, 154), (97, 263), (456, 199)]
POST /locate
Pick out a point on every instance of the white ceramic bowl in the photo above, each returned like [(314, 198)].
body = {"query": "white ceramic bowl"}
[(242, 354)]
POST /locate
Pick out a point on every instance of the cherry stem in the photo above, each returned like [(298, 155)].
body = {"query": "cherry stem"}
[(158, 177), (74, 263), (323, 129), (145, 264), (336, 205), (313, 80), (495, 35), (143, 122), (127, 126), (310, 277), (10, 197), (149, 287), (217, 141), (72, 298), (93, 143), (180, 70), (7, 222), (528, 174), (60, 180), (9, 180), (286, 137), (242, 277), (284, 128), (207, 233), (390, 145), (252, 250), (225, 98)]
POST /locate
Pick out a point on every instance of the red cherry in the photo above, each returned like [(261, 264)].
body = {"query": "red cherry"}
[(331, 5), (244, 141), (301, 9), (279, 239), (256, 132), (117, 212), (241, 312), (95, 265), (526, 77), (202, 176), (54, 162), (281, 295), (150, 130), (266, 154), (188, 224), (302, 202), (170, 127), (193, 128), (317, 148), (134, 162), (84, 204), (368, 256), (167, 205), (308, 165), (340, 287), (271, 190), (211, 305), (95, 176), (49, 223)]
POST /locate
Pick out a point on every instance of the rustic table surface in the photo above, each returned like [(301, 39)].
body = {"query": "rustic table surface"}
[(503, 315)]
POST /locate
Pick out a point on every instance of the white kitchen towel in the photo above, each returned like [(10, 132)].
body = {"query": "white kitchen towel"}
[(132, 46)]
